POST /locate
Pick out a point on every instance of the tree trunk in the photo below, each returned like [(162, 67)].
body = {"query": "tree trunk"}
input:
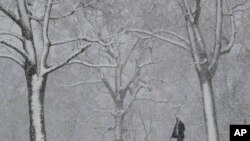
[(119, 122), (209, 106), (119, 129), (36, 92)]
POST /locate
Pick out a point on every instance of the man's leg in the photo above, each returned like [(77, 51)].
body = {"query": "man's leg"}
[(179, 139)]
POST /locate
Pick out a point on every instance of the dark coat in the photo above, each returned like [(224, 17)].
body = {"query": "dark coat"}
[(178, 131)]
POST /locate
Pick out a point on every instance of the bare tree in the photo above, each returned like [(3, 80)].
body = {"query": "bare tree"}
[(120, 67), (122, 78), (205, 61), (32, 60)]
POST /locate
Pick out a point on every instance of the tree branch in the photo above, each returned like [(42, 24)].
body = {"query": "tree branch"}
[(238, 6), (26, 30), (76, 39), (72, 56), (85, 63), (22, 53), (132, 80), (107, 85), (197, 11), (70, 13), (12, 34), (64, 16), (182, 46), (149, 63), (82, 83), (147, 133), (139, 42), (232, 38), (86, 39), (46, 41), (10, 14), (174, 35), (218, 49), (233, 27), (137, 73), (218, 35), (20, 63)]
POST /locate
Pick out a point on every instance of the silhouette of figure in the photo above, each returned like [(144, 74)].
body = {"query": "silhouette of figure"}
[(178, 131)]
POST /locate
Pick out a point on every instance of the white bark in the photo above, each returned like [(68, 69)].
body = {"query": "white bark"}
[(36, 108), (209, 111), (36, 69)]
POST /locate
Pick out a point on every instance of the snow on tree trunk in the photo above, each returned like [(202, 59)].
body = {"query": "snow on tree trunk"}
[(36, 92), (209, 107)]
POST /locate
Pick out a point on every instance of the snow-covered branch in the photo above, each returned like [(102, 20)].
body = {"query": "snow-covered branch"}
[(46, 41), (232, 38), (85, 63), (20, 51), (174, 35), (181, 45), (236, 8), (77, 39), (12, 34), (86, 39), (70, 13), (72, 56), (152, 100), (218, 48), (83, 83), (20, 63), (233, 28)]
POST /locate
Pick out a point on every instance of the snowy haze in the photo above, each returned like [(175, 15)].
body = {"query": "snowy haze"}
[(164, 84)]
